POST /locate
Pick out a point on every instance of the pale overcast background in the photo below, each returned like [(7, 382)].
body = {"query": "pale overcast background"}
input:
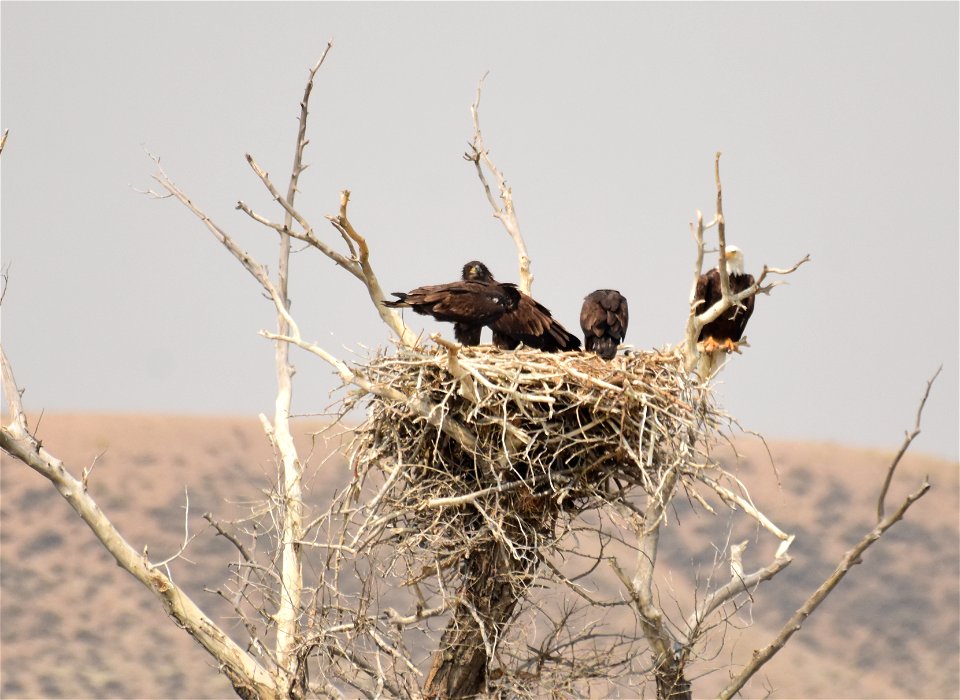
[(838, 124)]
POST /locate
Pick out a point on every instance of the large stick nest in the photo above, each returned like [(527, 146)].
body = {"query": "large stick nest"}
[(550, 433)]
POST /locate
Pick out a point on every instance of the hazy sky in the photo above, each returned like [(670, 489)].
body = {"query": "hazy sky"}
[(838, 124)]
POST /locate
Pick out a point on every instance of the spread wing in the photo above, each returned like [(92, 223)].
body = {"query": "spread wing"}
[(476, 303)]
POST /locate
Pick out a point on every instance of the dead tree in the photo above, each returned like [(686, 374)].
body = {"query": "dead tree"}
[(488, 487)]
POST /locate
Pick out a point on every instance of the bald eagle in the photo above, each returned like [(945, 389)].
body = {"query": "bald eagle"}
[(530, 323), (469, 304), (478, 300), (604, 318), (727, 329)]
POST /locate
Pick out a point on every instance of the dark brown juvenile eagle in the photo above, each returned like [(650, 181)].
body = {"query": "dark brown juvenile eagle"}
[(469, 304), (727, 329), (478, 300), (604, 318), (530, 322)]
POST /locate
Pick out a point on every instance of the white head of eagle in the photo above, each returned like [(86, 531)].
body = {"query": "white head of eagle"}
[(734, 260)]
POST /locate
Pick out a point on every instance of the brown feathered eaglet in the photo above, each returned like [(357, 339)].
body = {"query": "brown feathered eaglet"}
[(478, 300), (603, 318), (468, 304), (530, 322), (727, 329)]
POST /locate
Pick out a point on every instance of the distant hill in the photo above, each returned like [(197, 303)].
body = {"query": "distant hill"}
[(74, 625)]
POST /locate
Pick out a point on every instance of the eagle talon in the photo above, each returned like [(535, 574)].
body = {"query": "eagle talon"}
[(710, 345)]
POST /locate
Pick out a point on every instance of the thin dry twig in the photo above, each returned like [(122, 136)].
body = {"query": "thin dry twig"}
[(187, 538), (229, 536), (739, 583), (257, 270), (907, 440)]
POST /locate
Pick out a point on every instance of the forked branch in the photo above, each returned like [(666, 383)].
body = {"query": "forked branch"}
[(307, 234), (850, 559), (507, 214), (342, 223), (256, 269), (357, 263), (738, 584), (907, 440)]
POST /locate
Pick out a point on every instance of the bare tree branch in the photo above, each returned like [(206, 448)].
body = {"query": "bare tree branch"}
[(736, 500), (187, 539), (287, 616), (229, 536), (248, 677), (307, 235), (302, 141), (258, 271), (432, 413), (5, 282), (507, 214), (850, 559), (668, 667), (342, 223), (291, 501), (907, 440), (362, 665), (739, 583), (357, 265), (3, 139)]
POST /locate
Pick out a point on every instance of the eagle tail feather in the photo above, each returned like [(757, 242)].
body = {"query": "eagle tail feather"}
[(396, 303), (605, 347)]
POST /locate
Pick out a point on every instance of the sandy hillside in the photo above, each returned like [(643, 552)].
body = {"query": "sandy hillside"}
[(73, 625)]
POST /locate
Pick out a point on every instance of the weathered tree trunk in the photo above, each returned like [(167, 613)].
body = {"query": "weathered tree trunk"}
[(671, 683), (493, 584)]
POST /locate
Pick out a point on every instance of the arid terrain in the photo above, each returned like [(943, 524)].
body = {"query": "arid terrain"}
[(74, 625)]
